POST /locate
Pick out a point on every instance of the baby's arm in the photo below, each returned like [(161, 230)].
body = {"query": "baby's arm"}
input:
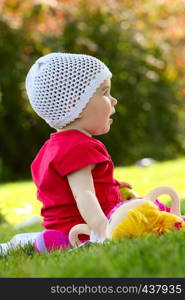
[(82, 186)]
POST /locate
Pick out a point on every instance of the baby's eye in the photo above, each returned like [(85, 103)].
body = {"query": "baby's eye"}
[(106, 93)]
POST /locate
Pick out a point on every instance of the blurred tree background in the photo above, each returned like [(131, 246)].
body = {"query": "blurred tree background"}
[(142, 42)]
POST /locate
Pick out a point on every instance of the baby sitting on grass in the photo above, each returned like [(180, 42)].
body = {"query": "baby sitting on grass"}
[(73, 171)]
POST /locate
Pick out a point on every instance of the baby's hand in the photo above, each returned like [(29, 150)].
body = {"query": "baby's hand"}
[(125, 184), (94, 238), (127, 192)]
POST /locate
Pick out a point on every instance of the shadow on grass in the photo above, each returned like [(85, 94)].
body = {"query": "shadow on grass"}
[(2, 219)]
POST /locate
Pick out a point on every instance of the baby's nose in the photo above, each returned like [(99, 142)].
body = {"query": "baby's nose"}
[(114, 101)]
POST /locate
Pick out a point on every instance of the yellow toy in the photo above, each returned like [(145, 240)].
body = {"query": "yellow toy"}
[(138, 217)]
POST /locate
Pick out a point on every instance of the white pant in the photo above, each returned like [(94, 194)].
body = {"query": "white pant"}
[(21, 239)]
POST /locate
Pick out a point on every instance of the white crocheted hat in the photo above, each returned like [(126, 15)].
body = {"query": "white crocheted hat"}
[(59, 85)]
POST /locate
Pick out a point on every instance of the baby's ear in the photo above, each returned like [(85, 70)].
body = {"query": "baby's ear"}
[(80, 115)]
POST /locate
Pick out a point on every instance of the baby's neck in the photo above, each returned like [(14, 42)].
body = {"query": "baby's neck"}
[(76, 128)]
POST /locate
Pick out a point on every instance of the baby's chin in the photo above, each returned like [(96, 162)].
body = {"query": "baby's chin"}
[(102, 131)]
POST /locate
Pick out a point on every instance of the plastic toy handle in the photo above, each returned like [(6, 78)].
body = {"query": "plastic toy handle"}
[(75, 231), (163, 190)]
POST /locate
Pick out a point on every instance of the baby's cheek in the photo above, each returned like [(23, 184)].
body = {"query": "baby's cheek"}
[(107, 109)]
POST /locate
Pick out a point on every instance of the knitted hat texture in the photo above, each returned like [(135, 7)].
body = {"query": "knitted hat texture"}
[(59, 85)]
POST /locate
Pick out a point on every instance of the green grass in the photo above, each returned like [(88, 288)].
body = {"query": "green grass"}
[(149, 256)]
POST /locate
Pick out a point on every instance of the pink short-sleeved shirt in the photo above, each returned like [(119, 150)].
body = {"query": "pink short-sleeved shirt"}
[(66, 152)]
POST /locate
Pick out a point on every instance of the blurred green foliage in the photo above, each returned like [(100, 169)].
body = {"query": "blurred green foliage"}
[(147, 120), (18, 132)]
